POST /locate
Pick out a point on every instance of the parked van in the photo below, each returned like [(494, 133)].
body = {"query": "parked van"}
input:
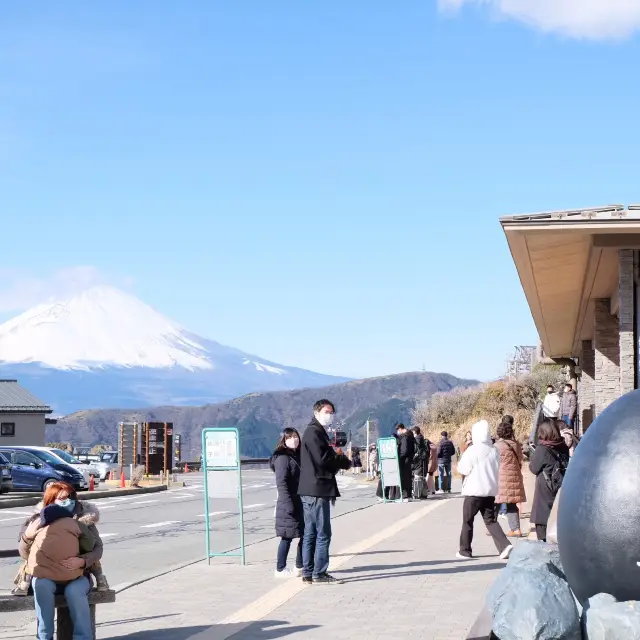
[(35, 469)]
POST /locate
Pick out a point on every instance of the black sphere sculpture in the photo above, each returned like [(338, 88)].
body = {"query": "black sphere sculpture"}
[(599, 509)]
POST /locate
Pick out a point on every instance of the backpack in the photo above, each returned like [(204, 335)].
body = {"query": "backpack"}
[(421, 450), (555, 477)]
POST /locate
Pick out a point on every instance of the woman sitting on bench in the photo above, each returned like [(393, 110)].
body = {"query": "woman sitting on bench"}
[(60, 550)]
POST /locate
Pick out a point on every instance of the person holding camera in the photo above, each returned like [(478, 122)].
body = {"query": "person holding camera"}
[(318, 489)]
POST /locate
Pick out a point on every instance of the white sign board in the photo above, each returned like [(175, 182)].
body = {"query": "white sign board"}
[(221, 449)]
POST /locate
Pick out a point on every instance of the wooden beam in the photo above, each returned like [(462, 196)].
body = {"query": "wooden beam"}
[(617, 240), (593, 264)]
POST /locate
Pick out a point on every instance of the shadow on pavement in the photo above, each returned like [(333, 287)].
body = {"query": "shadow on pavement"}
[(462, 568), (386, 567), (262, 630), (115, 623)]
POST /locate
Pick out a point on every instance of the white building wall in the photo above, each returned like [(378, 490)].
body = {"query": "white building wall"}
[(29, 429)]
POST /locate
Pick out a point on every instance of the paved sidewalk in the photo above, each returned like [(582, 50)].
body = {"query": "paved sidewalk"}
[(398, 561)]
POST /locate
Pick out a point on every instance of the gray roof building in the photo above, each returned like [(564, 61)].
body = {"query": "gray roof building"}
[(15, 399)]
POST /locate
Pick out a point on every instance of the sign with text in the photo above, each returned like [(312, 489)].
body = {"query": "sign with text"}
[(221, 449), (222, 479), (389, 465), (157, 447)]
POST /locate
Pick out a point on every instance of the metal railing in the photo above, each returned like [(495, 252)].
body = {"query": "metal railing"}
[(195, 465)]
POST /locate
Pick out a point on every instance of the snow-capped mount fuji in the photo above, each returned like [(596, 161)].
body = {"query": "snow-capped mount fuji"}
[(107, 348)]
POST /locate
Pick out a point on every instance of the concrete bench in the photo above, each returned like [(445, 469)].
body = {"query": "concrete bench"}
[(64, 627)]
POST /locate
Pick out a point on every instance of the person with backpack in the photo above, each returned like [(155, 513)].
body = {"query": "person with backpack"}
[(548, 463)]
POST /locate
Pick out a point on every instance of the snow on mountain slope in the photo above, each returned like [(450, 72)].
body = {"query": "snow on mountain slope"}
[(105, 348), (102, 326)]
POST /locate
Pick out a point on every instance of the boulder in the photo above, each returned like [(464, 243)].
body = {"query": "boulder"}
[(531, 600), (605, 618), (599, 510), (530, 554)]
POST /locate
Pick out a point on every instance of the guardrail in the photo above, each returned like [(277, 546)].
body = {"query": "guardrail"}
[(249, 462)]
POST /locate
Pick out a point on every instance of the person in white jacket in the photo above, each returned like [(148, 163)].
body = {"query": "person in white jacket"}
[(551, 404), (479, 466)]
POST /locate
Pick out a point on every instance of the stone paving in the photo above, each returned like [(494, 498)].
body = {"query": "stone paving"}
[(402, 580)]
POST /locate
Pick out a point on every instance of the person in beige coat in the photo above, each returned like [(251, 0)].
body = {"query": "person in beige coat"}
[(433, 466), (51, 542), (510, 483)]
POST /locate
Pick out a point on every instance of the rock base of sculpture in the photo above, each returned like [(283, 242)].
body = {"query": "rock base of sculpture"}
[(531, 600)]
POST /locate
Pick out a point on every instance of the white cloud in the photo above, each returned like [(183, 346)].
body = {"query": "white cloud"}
[(21, 289), (592, 19)]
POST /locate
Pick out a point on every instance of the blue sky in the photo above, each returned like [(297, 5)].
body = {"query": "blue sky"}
[(316, 183)]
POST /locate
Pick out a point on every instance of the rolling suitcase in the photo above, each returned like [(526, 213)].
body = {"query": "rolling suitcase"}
[(418, 487)]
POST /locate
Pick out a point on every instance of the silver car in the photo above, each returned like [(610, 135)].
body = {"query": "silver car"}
[(108, 462)]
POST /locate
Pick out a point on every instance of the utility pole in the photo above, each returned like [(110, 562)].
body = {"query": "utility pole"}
[(367, 453)]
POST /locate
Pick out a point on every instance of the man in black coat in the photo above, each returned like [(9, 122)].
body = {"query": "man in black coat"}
[(406, 451), (318, 488), (446, 451)]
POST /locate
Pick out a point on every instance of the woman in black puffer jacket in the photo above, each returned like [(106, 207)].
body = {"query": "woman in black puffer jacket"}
[(285, 463)]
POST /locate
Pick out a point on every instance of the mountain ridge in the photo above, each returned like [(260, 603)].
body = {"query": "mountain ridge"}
[(261, 416)]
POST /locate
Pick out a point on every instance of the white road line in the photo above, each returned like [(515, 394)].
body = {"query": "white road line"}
[(255, 486), (253, 506), (16, 513), (213, 513), (183, 495), (159, 524), (145, 501), (107, 535), (14, 518)]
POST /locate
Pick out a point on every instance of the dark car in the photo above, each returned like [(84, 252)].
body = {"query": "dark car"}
[(35, 470), (6, 483)]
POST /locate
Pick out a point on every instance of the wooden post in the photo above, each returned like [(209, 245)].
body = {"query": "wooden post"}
[(166, 447), (146, 446), (135, 444)]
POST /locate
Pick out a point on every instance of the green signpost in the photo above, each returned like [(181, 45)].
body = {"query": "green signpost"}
[(389, 466), (222, 478)]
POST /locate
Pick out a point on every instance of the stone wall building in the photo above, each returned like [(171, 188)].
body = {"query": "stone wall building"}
[(579, 271)]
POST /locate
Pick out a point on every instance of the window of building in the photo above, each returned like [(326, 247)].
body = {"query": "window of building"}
[(7, 429)]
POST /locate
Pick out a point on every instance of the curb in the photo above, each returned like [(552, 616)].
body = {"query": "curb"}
[(83, 495)]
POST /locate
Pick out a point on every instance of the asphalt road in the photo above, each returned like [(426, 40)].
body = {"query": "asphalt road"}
[(174, 522)]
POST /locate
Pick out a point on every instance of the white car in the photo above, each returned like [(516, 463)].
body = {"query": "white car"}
[(87, 470)]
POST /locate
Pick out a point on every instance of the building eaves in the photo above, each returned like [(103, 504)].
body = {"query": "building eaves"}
[(613, 213)]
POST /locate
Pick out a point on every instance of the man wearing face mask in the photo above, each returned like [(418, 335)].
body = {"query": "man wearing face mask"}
[(318, 489)]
